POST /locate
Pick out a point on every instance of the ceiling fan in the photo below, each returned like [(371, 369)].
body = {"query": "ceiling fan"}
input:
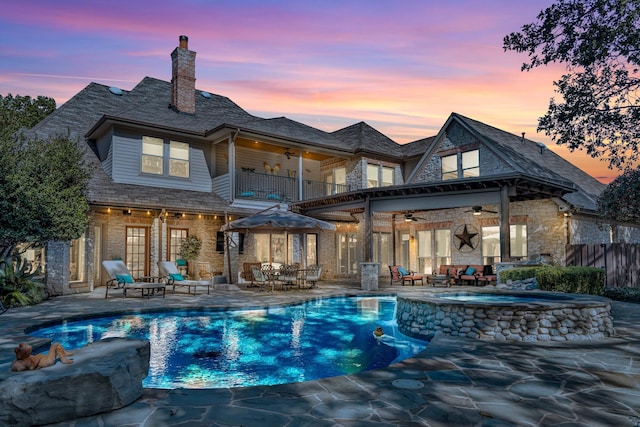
[(288, 153), (477, 210), (409, 217)]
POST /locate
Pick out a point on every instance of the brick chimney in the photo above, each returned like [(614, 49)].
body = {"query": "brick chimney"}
[(183, 77)]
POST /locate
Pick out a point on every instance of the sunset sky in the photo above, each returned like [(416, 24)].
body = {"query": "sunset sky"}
[(402, 66)]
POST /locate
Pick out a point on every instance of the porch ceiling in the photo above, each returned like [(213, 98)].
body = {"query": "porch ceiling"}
[(439, 195)]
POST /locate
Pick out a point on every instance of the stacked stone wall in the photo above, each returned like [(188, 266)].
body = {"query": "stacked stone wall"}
[(505, 323)]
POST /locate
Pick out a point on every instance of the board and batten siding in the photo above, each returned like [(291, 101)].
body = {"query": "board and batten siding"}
[(126, 157)]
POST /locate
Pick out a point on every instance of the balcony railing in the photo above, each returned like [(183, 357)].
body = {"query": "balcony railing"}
[(274, 188)]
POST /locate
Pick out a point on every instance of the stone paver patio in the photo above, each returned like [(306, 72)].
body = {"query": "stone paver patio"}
[(454, 382)]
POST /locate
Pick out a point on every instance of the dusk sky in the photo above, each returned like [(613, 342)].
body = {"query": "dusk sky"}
[(400, 66)]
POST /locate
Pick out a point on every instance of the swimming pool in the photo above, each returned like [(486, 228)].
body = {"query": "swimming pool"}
[(267, 346)]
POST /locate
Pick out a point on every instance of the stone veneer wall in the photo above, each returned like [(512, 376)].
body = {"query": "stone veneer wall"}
[(423, 318)]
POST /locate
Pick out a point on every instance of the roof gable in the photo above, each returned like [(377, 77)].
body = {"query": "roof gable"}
[(523, 156)]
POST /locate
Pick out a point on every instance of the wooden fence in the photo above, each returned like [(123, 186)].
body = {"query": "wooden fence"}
[(621, 261)]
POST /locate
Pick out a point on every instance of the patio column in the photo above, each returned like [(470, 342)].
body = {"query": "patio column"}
[(300, 179), (368, 231), (505, 237), (232, 165)]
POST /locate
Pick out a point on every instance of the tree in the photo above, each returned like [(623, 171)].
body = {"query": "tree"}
[(43, 191), (599, 42), (18, 112), (619, 201), (43, 184)]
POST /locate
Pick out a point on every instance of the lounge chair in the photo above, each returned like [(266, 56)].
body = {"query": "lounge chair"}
[(120, 277), (399, 274), (170, 272)]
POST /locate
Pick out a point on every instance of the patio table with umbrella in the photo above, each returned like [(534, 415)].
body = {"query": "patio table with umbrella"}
[(275, 220)]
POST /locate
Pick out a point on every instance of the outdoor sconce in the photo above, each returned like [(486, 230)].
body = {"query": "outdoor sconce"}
[(127, 212)]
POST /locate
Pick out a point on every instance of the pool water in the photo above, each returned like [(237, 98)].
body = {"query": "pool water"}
[(239, 348)]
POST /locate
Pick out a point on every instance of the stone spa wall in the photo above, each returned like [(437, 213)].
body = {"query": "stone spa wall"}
[(578, 318)]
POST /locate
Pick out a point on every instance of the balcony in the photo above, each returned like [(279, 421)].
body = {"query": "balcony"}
[(274, 188)]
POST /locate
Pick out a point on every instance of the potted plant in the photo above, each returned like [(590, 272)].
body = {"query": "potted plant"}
[(190, 249)]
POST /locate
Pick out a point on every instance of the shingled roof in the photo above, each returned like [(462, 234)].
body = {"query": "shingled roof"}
[(363, 138), (533, 158), (147, 103)]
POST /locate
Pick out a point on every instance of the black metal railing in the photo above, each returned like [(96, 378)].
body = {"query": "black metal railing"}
[(274, 188)]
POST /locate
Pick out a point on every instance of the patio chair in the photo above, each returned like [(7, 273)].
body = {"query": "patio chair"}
[(247, 272), (312, 275), (261, 278), (120, 277), (400, 274), (172, 275), (288, 276)]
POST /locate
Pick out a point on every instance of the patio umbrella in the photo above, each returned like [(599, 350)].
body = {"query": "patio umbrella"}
[(276, 220)]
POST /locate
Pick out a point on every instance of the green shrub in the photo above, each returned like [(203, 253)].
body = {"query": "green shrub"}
[(575, 280), (518, 273), (623, 294), (19, 286)]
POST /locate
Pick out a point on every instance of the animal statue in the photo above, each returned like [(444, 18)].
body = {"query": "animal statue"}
[(25, 361), (271, 170)]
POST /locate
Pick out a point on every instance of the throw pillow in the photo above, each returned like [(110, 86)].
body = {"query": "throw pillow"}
[(403, 271), (177, 277), (470, 271), (124, 278)]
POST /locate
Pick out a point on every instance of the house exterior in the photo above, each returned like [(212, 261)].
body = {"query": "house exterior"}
[(169, 161)]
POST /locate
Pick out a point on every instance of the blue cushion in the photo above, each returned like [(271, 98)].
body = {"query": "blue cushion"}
[(177, 277), (247, 194), (124, 278), (181, 262), (272, 196), (470, 271), (403, 271)]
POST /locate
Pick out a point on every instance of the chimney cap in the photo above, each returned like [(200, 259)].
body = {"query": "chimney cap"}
[(184, 42)]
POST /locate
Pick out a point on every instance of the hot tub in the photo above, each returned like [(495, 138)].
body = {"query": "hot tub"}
[(507, 316)]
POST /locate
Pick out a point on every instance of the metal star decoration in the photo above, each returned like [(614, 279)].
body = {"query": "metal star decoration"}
[(465, 238)]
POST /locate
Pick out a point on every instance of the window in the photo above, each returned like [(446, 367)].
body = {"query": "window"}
[(404, 250), (336, 181), (382, 250), (490, 244), (425, 251), (312, 249), (518, 235), (152, 155), (76, 260), (179, 159), (450, 167), (387, 176), (443, 247), (347, 261), (176, 236), (469, 165), (375, 173), (270, 248), (136, 251), (155, 151), (372, 176)]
